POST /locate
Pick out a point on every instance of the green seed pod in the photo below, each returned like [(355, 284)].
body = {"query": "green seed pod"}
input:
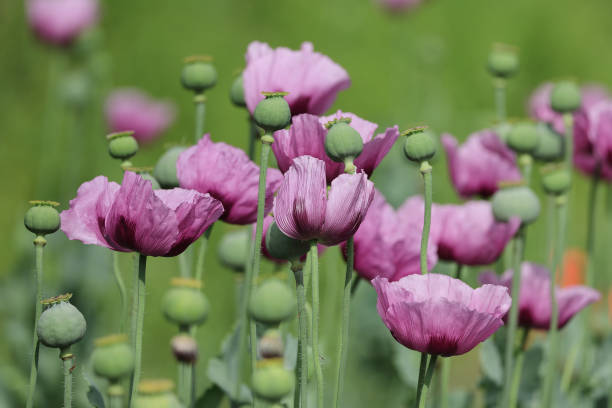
[(113, 357), (237, 92), (156, 394), (271, 344), (280, 246), (503, 61), (271, 381), (233, 250), (515, 200), (342, 143), (550, 147), (556, 180), (420, 146), (165, 169), (61, 324), (565, 97), (523, 137), (145, 173), (122, 145), (184, 303), (273, 112), (184, 348), (198, 73), (42, 218), (272, 302)]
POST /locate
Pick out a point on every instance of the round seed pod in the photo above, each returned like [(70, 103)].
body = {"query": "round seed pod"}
[(271, 345), (556, 180), (419, 146), (565, 97), (280, 246), (273, 112), (113, 357), (42, 218), (233, 250), (61, 324), (342, 142), (145, 173), (165, 169), (515, 200), (184, 303), (271, 381), (237, 92), (550, 147), (503, 61), (523, 137), (272, 302), (198, 73), (156, 394), (122, 145), (184, 348)]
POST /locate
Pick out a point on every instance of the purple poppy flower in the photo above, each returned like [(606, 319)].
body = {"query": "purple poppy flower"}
[(306, 137), (60, 22), (227, 174), (471, 236), (132, 109), (534, 302), (477, 167), (437, 314), (312, 79), (134, 217), (304, 210)]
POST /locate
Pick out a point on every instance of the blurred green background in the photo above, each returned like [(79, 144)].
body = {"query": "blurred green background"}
[(422, 67)]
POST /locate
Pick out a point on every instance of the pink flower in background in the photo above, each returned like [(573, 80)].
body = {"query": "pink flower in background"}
[(306, 137), (59, 22), (471, 236), (477, 167), (227, 174), (399, 5), (132, 109), (134, 217), (304, 210), (437, 314), (534, 302), (312, 79)]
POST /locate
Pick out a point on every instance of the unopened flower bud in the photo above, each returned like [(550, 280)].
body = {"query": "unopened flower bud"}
[(523, 137), (61, 324), (271, 344), (273, 112), (237, 92), (165, 169), (342, 143), (272, 302), (419, 145), (515, 200), (556, 180), (271, 381), (565, 97), (184, 348), (42, 218), (145, 173), (233, 250), (122, 145), (156, 394), (551, 146), (280, 246), (184, 303), (198, 73), (503, 61), (113, 357)]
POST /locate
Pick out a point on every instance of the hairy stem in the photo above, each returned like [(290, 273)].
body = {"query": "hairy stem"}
[(39, 244), (426, 173), (67, 363), (301, 391)]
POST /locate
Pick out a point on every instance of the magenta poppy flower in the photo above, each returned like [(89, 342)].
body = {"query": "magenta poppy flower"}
[(534, 302), (312, 79), (304, 210), (131, 109), (226, 173), (60, 22), (593, 139), (471, 236), (440, 315), (306, 137), (477, 167), (134, 217)]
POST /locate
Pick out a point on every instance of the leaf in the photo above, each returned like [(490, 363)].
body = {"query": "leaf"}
[(219, 374), (212, 398), (490, 362), (94, 396)]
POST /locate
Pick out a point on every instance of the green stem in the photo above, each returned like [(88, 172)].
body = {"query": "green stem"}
[(314, 265), (199, 272), (516, 379), (346, 311), (200, 109), (590, 243), (121, 287), (138, 308), (185, 388), (568, 121), (67, 362), (39, 244), (115, 401), (355, 285), (183, 260), (550, 229), (301, 391), (526, 162), (519, 241), (446, 368), (422, 397), (426, 173), (115, 395), (421, 380), (253, 136), (459, 271), (500, 99)]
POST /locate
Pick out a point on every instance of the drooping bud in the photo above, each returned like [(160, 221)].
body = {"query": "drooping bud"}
[(514, 199), (565, 97), (550, 147), (233, 250), (273, 112), (271, 344), (343, 143), (237, 92), (145, 173), (184, 303), (419, 146), (113, 357), (184, 348), (156, 394), (122, 145), (165, 169), (198, 73), (61, 324), (271, 381), (280, 246), (556, 180), (272, 302), (42, 218), (523, 137), (503, 61)]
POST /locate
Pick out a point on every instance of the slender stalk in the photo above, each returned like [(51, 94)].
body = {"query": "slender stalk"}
[(422, 399), (426, 173), (67, 362), (355, 285), (185, 388), (121, 287), (253, 136), (568, 121), (199, 272), (200, 109), (138, 308), (446, 368), (301, 391), (590, 243), (183, 260), (516, 379), (421, 380), (519, 241), (115, 395), (39, 244), (346, 311), (313, 254), (526, 162), (550, 229), (500, 99)]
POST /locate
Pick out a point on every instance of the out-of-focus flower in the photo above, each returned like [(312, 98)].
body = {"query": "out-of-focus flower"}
[(134, 217), (574, 267), (477, 167), (132, 109), (471, 236), (534, 302), (227, 174), (60, 22), (399, 5), (304, 210), (440, 315), (306, 137), (312, 79)]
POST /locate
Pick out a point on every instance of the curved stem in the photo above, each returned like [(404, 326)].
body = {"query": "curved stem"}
[(39, 244), (200, 108), (121, 287), (138, 308), (516, 379), (301, 391), (67, 362), (346, 311), (500, 99), (426, 173), (313, 254)]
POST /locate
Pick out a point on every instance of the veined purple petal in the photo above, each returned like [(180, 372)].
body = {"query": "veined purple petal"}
[(376, 149)]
